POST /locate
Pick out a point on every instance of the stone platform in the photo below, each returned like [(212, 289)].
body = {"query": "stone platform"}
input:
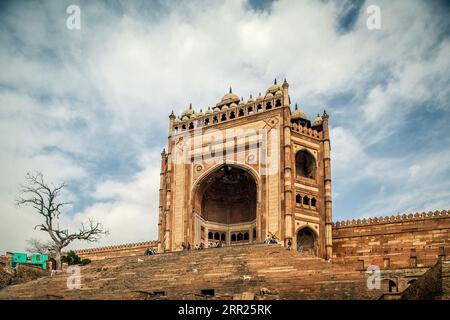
[(250, 271)]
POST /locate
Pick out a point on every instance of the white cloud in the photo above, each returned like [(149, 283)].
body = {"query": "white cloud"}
[(91, 106)]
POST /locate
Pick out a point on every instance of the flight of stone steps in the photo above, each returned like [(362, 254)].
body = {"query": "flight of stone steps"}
[(258, 271)]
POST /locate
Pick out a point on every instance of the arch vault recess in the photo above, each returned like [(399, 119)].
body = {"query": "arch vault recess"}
[(226, 199)]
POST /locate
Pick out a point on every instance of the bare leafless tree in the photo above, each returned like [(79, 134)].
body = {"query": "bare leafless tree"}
[(38, 246), (44, 198)]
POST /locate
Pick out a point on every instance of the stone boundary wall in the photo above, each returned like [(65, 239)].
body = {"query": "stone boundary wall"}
[(123, 250), (413, 240)]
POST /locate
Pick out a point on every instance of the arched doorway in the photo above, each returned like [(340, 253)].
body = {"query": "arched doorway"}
[(307, 241), (389, 285), (225, 202)]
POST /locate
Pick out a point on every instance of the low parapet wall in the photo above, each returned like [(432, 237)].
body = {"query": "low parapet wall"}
[(123, 250)]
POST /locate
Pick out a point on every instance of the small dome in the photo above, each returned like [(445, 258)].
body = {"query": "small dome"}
[(259, 98), (185, 118), (268, 95), (317, 121), (224, 107), (209, 111), (216, 109), (200, 114), (250, 100), (298, 114), (188, 112), (233, 105), (229, 97), (177, 120), (278, 93), (274, 88), (241, 102)]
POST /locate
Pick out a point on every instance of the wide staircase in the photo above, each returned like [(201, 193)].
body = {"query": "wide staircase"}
[(250, 271)]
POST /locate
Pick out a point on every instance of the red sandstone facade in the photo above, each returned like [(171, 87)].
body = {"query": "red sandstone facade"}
[(414, 240), (270, 176), (236, 200)]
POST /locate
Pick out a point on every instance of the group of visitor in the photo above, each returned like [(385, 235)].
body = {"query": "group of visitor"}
[(149, 252), (185, 247), (199, 246), (271, 239), (218, 244)]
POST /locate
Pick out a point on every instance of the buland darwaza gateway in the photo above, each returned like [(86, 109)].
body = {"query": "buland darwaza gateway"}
[(240, 173), (244, 170)]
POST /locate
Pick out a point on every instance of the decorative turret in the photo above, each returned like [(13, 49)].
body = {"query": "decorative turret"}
[(229, 98), (318, 121), (298, 114), (188, 112), (274, 88)]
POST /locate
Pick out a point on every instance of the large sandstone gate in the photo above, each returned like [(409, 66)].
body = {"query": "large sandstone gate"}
[(275, 150)]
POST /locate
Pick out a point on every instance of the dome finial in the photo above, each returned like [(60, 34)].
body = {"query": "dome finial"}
[(231, 91), (275, 81), (190, 106), (296, 108)]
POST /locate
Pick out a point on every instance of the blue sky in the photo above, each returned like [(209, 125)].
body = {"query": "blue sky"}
[(90, 106)]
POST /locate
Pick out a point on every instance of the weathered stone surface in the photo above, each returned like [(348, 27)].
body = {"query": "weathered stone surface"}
[(172, 276)]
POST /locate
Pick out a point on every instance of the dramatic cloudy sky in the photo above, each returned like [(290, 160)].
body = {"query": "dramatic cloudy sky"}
[(90, 106)]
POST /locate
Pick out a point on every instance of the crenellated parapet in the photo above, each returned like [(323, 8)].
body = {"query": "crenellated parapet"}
[(304, 130), (392, 219), (121, 247)]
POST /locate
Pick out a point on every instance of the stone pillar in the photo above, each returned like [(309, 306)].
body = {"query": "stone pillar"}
[(166, 243), (287, 149), (162, 202), (327, 182)]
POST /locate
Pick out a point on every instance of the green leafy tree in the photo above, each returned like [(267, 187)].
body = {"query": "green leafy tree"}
[(71, 258)]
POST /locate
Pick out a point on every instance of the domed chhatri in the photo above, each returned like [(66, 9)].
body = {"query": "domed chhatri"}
[(229, 98), (188, 112), (274, 88), (199, 114), (298, 114), (318, 121)]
